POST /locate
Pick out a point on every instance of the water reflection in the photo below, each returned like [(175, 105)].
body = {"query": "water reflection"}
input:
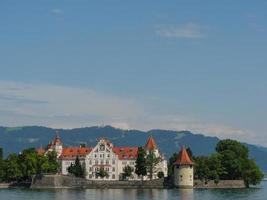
[(133, 194), (126, 194)]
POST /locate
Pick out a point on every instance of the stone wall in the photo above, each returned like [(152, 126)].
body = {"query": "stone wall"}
[(60, 181), (221, 184)]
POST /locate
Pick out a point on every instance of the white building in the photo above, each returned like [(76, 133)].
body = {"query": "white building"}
[(104, 156)]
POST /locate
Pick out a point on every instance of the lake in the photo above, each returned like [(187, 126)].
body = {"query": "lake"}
[(259, 193)]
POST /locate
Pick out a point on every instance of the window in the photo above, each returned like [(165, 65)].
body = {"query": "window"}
[(113, 162), (95, 155), (113, 176), (107, 162), (96, 162), (90, 162), (90, 169), (113, 169), (102, 162)]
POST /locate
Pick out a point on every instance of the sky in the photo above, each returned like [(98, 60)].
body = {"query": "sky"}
[(178, 64)]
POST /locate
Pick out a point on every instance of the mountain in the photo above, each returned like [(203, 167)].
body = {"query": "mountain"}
[(15, 139)]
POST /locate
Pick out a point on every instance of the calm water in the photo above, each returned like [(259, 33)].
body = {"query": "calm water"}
[(259, 193)]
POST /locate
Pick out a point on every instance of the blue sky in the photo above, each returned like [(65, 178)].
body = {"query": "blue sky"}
[(197, 65)]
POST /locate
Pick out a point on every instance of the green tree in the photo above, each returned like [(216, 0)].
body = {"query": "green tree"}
[(28, 163), (215, 168), (102, 173), (140, 163), (127, 171), (52, 162), (201, 168), (236, 163), (160, 174), (12, 169), (251, 173), (151, 162), (190, 153), (47, 163), (76, 169), (172, 159)]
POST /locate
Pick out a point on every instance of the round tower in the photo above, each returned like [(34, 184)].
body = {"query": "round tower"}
[(183, 170)]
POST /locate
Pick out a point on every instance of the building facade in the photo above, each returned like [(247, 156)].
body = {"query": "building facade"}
[(104, 156), (183, 170)]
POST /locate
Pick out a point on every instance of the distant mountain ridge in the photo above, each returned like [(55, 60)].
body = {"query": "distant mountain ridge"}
[(14, 139)]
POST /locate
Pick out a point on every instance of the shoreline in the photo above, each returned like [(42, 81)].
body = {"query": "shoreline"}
[(69, 182)]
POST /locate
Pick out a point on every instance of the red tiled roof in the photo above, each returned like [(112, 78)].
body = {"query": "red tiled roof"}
[(183, 158), (72, 152), (40, 151), (126, 152), (151, 144)]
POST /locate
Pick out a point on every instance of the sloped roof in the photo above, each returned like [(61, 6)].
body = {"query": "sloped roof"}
[(126, 152), (151, 144), (183, 158), (40, 151), (73, 152)]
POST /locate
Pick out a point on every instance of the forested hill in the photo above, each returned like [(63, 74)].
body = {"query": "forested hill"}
[(18, 138)]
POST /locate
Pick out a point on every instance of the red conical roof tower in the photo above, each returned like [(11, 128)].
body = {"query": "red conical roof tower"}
[(151, 144), (183, 158)]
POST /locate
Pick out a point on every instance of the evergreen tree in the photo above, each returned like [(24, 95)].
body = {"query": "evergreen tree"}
[(76, 169), (140, 163), (127, 171), (172, 159)]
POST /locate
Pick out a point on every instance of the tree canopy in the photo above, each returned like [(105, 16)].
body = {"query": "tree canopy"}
[(76, 169), (230, 162), (20, 167)]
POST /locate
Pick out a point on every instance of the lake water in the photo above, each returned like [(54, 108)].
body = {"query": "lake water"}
[(259, 193)]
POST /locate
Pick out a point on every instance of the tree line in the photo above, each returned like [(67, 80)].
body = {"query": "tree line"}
[(22, 166)]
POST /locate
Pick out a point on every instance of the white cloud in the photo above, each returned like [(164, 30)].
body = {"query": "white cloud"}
[(70, 107), (188, 31)]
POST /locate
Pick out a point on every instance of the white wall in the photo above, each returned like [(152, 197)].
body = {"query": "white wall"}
[(183, 176)]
